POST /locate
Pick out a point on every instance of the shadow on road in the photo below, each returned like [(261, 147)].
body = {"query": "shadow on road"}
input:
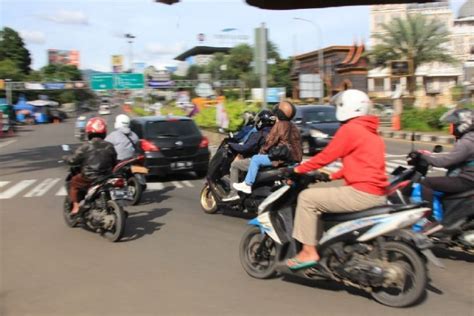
[(149, 197), (182, 176), (140, 224), (454, 255)]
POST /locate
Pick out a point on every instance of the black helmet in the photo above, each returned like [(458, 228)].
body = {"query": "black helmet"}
[(285, 111), (462, 121), (264, 118)]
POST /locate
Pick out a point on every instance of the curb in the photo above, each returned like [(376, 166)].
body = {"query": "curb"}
[(421, 137)]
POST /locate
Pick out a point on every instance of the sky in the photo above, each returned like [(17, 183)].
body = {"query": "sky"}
[(96, 27)]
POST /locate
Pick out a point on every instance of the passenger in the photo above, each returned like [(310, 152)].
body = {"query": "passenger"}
[(283, 144), (247, 128), (263, 125), (363, 158), (124, 140)]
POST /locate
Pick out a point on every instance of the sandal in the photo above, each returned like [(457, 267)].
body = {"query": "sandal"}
[(298, 265)]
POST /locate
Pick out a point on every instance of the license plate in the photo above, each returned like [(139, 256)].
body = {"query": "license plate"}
[(181, 165), (139, 169), (120, 195)]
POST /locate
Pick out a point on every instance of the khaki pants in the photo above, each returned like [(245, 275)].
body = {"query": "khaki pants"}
[(314, 201), (236, 166)]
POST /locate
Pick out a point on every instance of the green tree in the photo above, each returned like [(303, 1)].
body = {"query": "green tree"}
[(12, 47), (193, 72), (10, 70), (416, 38), (60, 73)]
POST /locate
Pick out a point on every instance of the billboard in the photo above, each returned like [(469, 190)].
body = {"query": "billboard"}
[(400, 68), (63, 57), (310, 86)]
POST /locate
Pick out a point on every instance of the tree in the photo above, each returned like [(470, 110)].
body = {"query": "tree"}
[(12, 47), (416, 39), (60, 73), (10, 70)]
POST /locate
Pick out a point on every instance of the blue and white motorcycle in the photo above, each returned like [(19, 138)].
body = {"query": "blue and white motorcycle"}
[(373, 249)]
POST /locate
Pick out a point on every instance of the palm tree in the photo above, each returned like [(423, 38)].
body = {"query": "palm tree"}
[(416, 39)]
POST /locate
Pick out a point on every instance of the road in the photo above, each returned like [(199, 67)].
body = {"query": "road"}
[(174, 260)]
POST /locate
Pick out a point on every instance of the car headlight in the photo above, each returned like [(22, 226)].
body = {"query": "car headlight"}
[(318, 134)]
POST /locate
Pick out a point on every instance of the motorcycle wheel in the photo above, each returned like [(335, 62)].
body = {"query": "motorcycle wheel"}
[(116, 233), (262, 265), (67, 206), (208, 201), (136, 189), (415, 277)]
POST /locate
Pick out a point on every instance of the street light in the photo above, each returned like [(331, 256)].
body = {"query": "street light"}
[(320, 53), (130, 39)]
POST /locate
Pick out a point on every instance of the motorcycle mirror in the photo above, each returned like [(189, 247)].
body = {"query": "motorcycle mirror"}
[(231, 135), (66, 147), (438, 149), (221, 130)]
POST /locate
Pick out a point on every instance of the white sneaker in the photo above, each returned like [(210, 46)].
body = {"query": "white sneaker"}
[(243, 187), (232, 197)]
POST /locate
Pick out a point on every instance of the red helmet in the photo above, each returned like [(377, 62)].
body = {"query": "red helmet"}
[(96, 125)]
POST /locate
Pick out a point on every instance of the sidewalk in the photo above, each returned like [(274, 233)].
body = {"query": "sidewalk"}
[(429, 137)]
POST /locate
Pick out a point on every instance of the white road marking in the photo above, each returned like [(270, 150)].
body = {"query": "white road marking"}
[(177, 184), (188, 183), (155, 186), (62, 192), (8, 142), (43, 187), (11, 192), (394, 156), (4, 183)]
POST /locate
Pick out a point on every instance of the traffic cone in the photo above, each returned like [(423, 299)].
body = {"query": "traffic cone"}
[(396, 123)]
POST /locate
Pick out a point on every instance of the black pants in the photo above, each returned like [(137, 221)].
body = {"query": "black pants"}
[(449, 185)]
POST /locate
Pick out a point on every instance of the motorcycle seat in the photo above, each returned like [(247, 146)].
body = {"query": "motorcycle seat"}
[(377, 210), (268, 175), (461, 195)]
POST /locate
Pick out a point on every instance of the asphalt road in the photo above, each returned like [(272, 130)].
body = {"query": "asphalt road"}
[(174, 260)]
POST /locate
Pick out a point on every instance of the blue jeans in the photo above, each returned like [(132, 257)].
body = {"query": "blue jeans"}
[(255, 163)]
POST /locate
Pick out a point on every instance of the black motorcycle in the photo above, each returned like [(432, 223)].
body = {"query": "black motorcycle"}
[(101, 208), (455, 211), (217, 185), (370, 249), (134, 172)]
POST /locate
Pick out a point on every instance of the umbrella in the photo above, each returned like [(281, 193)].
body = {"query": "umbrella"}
[(22, 105), (43, 103), (307, 4)]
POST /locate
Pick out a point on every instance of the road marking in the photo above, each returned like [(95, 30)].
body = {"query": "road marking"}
[(434, 168), (4, 183), (62, 192), (11, 192), (188, 184), (177, 184), (8, 142), (43, 187), (155, 186), (394, 156)]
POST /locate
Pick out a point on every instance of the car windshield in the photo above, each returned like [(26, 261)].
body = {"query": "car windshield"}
[(320, 116), (171, 129)]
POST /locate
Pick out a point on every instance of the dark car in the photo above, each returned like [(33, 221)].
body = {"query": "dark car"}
[(317, 124), (172, 144)]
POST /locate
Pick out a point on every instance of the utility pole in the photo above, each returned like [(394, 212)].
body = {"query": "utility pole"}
[(130, 39), (263, 63)]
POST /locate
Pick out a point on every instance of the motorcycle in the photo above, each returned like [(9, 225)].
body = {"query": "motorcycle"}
[(134, 172), (80, 128), (454, 211), (217, 185), (101, 208), (370, 250)]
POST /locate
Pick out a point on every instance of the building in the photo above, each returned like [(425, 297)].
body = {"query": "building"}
[(63, 57), (434, 80), (345, 67), (201, 55)]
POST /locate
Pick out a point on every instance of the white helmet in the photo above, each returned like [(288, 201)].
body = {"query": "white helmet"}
[(122, 121), (351, 103)]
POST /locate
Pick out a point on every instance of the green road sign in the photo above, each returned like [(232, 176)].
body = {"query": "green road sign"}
[(129, 81), (102, 82)]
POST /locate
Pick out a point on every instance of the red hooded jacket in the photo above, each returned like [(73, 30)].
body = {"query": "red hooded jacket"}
[(362, 152)]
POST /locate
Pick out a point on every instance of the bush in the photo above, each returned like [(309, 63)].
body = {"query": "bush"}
[(139, 111), (207, 117), (423, 120)]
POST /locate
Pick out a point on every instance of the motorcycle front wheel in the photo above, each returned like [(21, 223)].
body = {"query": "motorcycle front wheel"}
[(258, 254), (114, 233), (208, 201), (403, 258)]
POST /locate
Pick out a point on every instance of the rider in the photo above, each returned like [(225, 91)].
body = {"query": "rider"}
[(363, 158), (96, 158), (124, 140), (282, 144), (459, 161), (263, 124)]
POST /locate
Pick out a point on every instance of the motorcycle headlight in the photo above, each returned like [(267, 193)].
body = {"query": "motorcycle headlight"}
[(318, 134)]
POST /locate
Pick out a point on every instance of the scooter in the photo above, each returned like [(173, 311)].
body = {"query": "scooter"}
[(454, 211), (217, 185), (134, 172), (371, 249)]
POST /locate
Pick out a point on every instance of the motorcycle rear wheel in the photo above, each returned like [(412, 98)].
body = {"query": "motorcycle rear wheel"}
[(398, 252), (136, 189), (262, 265), (119, 226), (207, 200)]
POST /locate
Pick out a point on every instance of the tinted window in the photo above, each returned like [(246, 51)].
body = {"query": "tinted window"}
[(136, 128), (171, 129), (320, 116)]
